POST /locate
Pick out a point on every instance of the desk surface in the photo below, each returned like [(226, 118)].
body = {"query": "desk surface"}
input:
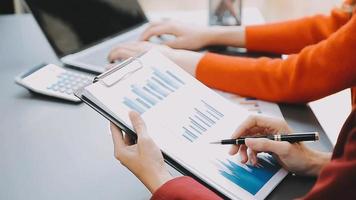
[(51, 149)]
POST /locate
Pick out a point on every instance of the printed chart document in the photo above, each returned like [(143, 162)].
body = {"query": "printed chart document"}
[(254, 106), (183, 116)]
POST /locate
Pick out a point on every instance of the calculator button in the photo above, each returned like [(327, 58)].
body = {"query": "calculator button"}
[(75, 83), (69, 91), (75, 87), (63, 76)]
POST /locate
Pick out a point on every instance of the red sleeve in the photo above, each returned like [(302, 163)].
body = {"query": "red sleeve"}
[(292, 36), (338, 179), (317, 71), (183, 188)]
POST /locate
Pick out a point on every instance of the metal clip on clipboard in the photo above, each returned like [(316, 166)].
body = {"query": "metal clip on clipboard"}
[(108, 79)]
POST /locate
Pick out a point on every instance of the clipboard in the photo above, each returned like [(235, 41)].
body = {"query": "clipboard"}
[(170, 161), (152, 85)]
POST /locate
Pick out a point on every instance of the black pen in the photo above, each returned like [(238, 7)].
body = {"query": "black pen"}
[(292, 138)]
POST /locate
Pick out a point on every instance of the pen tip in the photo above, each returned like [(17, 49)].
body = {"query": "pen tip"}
[(218, 142)]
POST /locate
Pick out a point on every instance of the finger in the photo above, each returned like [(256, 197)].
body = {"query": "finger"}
[(257, 130), (158, 30), (272, 125), (266, 145), (128, 139), (150, 26), (234, 149), (261, 124), (249, 123), (119, 144), (120, 53), (138, 124), (252, 156), (175, 44), (243, 153), (137, 46)]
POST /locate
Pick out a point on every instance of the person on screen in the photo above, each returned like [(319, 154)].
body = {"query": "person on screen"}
[(322, 61)]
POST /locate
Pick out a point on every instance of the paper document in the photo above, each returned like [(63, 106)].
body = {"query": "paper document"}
[(183, 116), (254, 106)]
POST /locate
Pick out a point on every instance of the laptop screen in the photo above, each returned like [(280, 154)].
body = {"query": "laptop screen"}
[(71, 25)]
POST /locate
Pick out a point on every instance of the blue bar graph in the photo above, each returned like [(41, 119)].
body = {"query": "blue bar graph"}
[(152, 93), (188, 138), (153, 90), (143, 95), (190, 133), (203, 117), (195, 129), (251, 178), (212, 114), (197, 124), (131, 104), (175, 77), (201, 114), (213, 109), (202, 120), (156, 88), (162, 84), (165, 78), (143, 103)]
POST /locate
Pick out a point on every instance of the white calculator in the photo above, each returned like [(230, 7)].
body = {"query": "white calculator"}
[(55, 81)]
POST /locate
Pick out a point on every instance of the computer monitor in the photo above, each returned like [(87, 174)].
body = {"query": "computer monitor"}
[(73, 25)]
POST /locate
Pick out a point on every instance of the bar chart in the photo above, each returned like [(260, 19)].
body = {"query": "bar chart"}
[(159, 86), (251, 178), (251, 104), (202, 118)]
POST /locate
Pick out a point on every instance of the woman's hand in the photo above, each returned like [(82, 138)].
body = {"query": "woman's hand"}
[(188, 37), (143, 159), (192, 37), (129, 49), (294, 157), (187, 60)]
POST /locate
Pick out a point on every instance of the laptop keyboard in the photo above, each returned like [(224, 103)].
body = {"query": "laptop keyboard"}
[(98, 56)]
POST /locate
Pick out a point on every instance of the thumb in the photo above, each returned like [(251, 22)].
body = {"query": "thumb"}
[(138, 124), (266, 145)]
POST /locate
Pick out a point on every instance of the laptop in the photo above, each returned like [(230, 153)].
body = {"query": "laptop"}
[(83, 32)]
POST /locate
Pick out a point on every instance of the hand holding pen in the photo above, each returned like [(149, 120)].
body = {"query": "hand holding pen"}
[(291, 138), (294, 156)]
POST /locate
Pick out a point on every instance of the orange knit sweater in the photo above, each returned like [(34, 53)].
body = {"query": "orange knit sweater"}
[(322, 60)]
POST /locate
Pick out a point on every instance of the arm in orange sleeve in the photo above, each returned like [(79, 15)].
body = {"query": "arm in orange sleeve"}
[(292, 36), (317, 71)]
